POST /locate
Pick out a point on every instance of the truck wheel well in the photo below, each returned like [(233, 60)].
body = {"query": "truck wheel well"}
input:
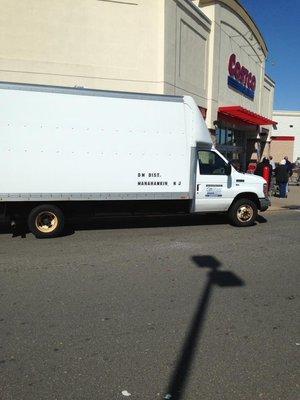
[(22, 209), (247, 195)]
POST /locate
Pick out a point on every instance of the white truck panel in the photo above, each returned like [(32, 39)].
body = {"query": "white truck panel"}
[(66, 144), (58, 145)]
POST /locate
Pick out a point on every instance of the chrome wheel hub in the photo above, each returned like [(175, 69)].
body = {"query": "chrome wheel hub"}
[(46, 222), (245, 213)]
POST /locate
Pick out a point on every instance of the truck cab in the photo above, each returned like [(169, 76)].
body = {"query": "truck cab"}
[(220, 188)]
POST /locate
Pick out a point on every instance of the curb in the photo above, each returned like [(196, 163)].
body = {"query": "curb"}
[(287, 208), (271, 209)]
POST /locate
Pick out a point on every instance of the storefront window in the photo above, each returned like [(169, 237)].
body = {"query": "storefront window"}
[(221, 136), (227, 143), (225, 137), (229, 137)]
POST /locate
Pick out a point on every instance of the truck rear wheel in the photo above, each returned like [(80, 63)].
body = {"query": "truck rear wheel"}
[(46, 221), (243, 212)]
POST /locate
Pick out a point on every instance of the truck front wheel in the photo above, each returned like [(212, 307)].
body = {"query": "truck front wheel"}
[(243, 212), (46, 221)]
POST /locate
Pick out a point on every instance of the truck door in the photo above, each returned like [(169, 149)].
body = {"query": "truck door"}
[(214, 185)]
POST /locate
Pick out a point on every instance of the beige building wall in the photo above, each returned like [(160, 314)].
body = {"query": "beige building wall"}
[(288, 125), (267, 97), (280, 149), (115, 45), (186, 42), (156, 46)]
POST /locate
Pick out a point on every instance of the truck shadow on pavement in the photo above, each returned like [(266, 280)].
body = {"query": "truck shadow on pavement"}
[(128, 222), (179, 379), (151, 221)]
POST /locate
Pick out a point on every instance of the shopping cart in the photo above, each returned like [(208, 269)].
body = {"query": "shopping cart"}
[(274, 187), (295, 177)]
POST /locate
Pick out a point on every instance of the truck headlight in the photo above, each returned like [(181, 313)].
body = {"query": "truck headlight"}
[(266, 190)]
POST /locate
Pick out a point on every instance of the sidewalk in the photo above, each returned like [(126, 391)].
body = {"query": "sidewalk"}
[(291, 203)]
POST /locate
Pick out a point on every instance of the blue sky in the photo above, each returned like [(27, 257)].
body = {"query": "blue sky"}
[(279, 22)]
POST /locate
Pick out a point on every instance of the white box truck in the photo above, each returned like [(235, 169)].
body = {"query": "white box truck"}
[(67, 151)]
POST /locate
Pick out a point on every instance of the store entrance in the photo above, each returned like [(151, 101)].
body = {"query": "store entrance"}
[(231, 144)]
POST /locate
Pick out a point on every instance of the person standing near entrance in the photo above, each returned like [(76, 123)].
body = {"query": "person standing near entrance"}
[(272, 163), (282, 178), (289, 168), (288, 165), (273, 166), (264, 169)]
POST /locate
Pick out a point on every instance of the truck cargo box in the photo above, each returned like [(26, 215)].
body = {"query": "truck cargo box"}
[(73, 144)]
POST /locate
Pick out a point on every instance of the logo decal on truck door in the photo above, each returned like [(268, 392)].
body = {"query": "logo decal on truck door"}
[(213, 191)]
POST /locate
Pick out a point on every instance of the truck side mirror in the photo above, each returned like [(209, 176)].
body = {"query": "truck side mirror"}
[(228, 169)]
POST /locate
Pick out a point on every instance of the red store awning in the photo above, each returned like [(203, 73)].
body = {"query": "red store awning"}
[(245, 115), (284, 138)]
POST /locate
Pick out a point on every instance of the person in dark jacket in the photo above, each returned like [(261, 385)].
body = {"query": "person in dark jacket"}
[(288, 165), (282, 178), (265, 163), (258, 169), (289, 168)]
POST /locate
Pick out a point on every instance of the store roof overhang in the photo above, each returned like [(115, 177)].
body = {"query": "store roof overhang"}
[(246, 116)]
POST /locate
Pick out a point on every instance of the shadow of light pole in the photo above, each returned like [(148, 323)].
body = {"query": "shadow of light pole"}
[(184, 362)]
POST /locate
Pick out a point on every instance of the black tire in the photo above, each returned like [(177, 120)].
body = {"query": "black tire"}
[(46, 221), (243, 212)]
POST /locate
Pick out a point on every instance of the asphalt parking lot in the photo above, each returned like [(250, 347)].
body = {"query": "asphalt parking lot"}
[(190, 308)]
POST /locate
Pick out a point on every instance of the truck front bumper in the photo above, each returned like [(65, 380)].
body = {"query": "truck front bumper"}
[(264, 204)]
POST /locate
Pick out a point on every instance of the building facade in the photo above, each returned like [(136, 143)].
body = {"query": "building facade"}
[(285, 140), (209, 49)]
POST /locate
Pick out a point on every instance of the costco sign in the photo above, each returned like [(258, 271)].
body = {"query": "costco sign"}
[(240, 78)]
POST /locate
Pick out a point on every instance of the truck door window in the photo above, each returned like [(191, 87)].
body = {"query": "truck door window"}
[(211, 163)]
